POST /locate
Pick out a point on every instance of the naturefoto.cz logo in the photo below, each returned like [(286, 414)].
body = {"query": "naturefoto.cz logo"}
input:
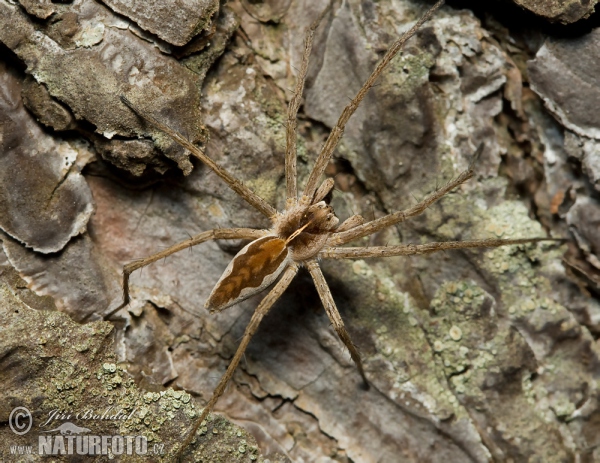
[(73, 439), (69, 438)]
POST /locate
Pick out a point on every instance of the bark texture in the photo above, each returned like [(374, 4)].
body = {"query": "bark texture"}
[(475, 356)]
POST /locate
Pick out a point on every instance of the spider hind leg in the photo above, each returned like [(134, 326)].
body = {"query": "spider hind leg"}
[(216, 234), (335, 317)]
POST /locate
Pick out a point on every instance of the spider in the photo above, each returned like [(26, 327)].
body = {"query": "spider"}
[(306, 231)]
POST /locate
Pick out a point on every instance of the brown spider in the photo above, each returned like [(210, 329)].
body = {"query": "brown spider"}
[(306, 231)]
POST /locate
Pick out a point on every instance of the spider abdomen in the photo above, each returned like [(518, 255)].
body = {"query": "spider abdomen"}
[(252, 269)]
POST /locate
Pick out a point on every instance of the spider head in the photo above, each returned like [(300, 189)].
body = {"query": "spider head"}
[(306, 228)]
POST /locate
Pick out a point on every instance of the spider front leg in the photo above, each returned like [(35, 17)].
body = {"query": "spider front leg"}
[(334, 315), (216, 234), (263, 308), (236, 185), (364, 252), (292, 122), (336, 133)]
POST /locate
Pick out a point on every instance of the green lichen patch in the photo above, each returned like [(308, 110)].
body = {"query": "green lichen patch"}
[(64, 372), (396, 351), (221, 441), (407, 73), (461, 328), (470, 356), (488, 366)]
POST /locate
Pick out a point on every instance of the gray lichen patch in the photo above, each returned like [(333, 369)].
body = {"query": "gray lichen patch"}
[(44, 200)]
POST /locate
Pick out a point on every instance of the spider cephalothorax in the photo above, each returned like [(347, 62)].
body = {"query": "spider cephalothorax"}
[(306, 224), (305, 231)]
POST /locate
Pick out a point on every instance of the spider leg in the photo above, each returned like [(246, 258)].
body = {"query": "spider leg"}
[(236, 185), (351, 222), (323, 190), (334, 315), (338, 130), (413, 249), (392, 219), (216, 234), (263, 308), (291, 125)]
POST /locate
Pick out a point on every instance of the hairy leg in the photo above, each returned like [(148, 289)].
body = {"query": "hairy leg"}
[(350, 222), (413, 249), (262, 309), (216, 234), (291, 125), (391, 219), (236, 185), (334, 315), (338, 130)]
